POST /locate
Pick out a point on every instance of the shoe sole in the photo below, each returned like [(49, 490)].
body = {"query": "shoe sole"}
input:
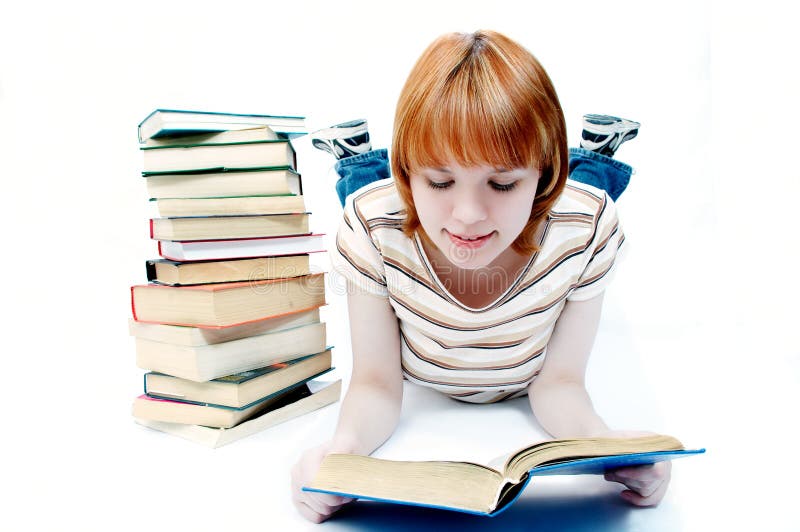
[(342, 131), (608, 124)]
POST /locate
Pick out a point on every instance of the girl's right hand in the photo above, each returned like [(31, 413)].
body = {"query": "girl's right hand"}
[(316, 507)]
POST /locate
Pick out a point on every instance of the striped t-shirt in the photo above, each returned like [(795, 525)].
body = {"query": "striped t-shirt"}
[(492, 353)]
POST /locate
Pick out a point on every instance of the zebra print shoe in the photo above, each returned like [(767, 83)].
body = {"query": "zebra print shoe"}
[(343, 140), (604, 134)]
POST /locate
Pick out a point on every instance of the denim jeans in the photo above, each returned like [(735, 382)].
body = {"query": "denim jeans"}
[(584, 166)]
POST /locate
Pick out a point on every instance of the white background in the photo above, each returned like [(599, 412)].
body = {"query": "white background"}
[(699, 336)]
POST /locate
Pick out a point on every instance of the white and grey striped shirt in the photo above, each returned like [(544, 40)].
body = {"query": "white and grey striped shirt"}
[(477, 354)]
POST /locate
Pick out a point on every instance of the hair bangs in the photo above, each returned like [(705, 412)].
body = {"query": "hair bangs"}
[(473, 120)]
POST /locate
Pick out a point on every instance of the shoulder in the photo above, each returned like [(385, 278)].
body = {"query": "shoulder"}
[(374, 207), (584, 216), (580, 199)]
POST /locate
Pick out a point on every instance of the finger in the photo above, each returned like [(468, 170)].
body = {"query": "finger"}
[(648, 499), (308, 499), (332, 500), (308, 513), (643, 472), (325, 498), (629, 482), (315, 504), (643, 487), (640, 476), (645, 490)]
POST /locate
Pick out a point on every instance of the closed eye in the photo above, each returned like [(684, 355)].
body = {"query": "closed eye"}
[(439, 185), (503, 188)]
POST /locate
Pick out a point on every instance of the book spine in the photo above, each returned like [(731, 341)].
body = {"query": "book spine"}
[(133, 304), (151, 228), (161, 251), (150, 266)]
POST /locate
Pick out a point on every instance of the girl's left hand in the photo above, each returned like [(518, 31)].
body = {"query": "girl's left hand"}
[(646, 484)]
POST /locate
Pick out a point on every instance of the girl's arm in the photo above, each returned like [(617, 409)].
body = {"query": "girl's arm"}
[(563, 407), (558, 394), (370, 409)]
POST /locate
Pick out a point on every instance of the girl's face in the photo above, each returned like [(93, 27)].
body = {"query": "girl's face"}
[(473, 214)]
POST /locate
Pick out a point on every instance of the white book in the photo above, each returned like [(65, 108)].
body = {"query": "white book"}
[(241, 248)]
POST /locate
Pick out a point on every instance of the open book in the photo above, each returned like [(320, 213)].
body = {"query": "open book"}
[(479, 489)]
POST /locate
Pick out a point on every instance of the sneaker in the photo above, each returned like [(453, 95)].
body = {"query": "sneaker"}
[(343, 140), (604, 134)]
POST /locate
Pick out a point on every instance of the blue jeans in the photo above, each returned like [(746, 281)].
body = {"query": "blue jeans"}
[(584, 166)]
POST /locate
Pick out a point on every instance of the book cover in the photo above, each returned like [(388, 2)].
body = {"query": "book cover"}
[(175, 122)]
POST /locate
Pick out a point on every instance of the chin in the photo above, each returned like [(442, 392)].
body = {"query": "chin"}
[(469, 259)]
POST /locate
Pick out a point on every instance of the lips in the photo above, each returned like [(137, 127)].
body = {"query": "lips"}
[(469, 241)]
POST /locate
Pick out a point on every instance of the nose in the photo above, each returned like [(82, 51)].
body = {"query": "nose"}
[(469, 207)]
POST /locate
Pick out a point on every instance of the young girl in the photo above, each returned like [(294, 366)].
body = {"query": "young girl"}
[(478, 270)]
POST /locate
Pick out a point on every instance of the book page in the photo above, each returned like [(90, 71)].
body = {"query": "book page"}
[(459, 485)]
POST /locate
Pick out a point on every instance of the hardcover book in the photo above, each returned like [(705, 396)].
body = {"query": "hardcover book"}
[(193, 228), (205, 414), (242, 205), (267, 181), (173, 123), (216, 137), (206, 362), (479, 489), (186, 251), (197, 336), (145, 407), (312, 396), (226, 271), (217, 157), (225, 304), (242, 389)]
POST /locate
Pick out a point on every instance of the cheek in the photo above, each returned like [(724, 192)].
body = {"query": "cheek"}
[(514, 212), (429, 208)]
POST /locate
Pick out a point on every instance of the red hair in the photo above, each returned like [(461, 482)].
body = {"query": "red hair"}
[(480, 98)]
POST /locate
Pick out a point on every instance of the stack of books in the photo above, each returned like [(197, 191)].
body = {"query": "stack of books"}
[(228, 325)]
